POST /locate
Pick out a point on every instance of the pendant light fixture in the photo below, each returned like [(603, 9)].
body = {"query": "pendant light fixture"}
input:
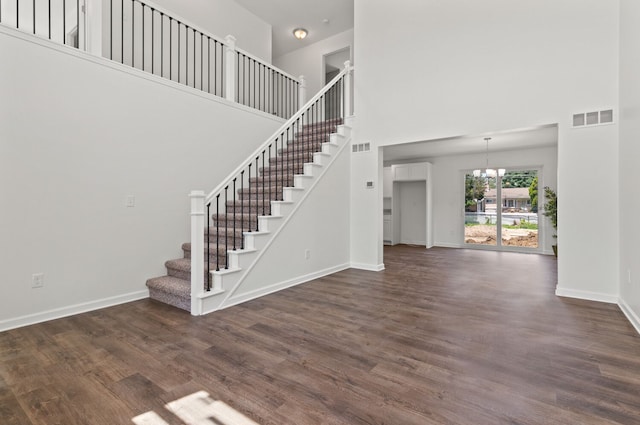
[(488, 172)]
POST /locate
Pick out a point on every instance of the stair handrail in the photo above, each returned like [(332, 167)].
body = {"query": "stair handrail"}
[(225, 183)]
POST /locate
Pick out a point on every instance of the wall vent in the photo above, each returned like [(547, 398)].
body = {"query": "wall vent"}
[(361, 147), (593, 118)]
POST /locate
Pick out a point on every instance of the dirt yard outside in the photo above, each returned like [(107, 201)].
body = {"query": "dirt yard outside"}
[(486, 235)]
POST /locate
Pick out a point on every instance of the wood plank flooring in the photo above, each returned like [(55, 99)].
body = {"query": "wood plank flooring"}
[(442, 336)]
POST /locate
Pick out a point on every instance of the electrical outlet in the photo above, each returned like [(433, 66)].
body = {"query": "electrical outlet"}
[(307, 254), (37, 280), (131, 201)]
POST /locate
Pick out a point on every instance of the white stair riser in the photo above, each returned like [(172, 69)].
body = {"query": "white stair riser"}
[(240, 257), (281, 208), (269, 223), (310, 168), (302, 181), (292, 194), (256, 240)]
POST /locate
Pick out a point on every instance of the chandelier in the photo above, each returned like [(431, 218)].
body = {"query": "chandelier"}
[(488, 172)]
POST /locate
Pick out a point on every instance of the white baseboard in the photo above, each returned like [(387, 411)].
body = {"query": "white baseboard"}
[(412, 242), (257, 293), (368, 267), (631, 315), (587, 295), (447, 245), (71, 310)]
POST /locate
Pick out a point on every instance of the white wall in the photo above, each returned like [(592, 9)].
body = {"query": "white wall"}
[(80, 134), (629, 154), (444, 69), (308, 61)]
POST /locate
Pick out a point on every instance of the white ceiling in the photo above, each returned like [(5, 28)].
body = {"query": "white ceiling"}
[(502, 141), (286, 15)]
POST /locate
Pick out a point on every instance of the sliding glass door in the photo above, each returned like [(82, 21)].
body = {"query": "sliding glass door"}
[(504, 205), (519, 212), (480, 220)]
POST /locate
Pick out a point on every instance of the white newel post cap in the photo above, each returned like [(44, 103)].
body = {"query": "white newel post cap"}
[(231, 41), (197, 202), (347, 65)]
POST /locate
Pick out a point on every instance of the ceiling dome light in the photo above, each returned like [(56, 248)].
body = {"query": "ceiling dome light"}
[(299, 33)]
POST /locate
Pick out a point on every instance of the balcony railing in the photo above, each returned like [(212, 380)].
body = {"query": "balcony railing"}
[(147, 37)]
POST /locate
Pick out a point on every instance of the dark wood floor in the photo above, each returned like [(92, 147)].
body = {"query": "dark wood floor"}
[(441, 337)]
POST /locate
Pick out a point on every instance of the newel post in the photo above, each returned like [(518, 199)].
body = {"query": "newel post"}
[(348, 107), (197, 249), (230, 68), (302, 92)]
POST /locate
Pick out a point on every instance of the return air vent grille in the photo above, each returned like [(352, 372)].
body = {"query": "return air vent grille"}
[(361, 147), (593, 118)]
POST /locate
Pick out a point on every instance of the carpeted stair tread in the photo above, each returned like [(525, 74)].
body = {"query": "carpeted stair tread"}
[(171, 290), (300, 148), (181, 268), (291, 168), (227, 232), (270, 181), (171, 285), (309, 137), (213, 248), (180, 264), (291, 156)]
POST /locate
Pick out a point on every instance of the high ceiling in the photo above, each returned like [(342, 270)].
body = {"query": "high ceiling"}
[(287, 15), (325, 18), (512, 140)]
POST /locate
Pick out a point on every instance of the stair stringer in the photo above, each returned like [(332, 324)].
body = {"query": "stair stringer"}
[(230, 281)]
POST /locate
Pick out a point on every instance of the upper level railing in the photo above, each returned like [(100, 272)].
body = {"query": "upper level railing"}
[(147, 37), (56, 20)]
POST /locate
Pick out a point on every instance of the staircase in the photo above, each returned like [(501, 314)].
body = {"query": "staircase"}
[(240, 220), (235, 225)]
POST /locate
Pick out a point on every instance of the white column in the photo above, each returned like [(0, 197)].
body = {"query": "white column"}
[(348, 108), (197, 249), (230, 68), (302, 92), (92, 26)]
